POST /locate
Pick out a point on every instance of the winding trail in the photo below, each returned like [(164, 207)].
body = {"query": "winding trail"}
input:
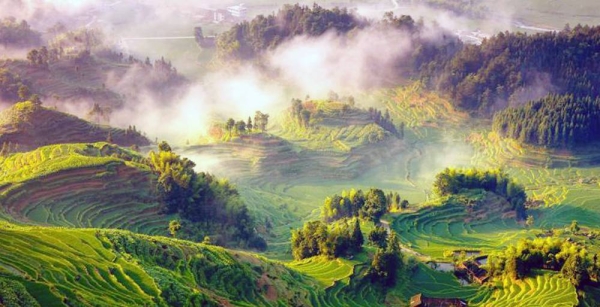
[(386, 224)]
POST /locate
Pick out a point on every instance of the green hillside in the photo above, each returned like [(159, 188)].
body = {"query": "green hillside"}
[(91, 267), (26, 126), (81, 185)]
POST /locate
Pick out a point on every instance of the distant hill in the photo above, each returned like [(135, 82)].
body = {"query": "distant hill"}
[(63, 72), (26, 126), (336, 124)]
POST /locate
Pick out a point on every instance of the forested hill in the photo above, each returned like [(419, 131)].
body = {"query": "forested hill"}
[(18, 34), (513, 68), (28, 125), (249, 39), (555, 121)]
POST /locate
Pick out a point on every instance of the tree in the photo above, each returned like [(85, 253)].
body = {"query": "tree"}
[(387, 262), (240, 127), (375, 205), (164, 147), (356, 238), (174, 227), (261, 120), (404, 204), (378, 237), (207, 240), (305, 115), (574, 227), (36, 100), (230, 124), (575, 270), (529, 222), (249, 125), (24, 92), (32, 57)]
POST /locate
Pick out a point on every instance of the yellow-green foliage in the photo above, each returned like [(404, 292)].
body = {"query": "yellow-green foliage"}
[(90, 267), (46, 160), (543, 289), (17, 114), (417, 107), (333, 126), (326, 271)]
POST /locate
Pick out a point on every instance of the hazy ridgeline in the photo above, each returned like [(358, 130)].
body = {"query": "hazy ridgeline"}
[(242, 140)]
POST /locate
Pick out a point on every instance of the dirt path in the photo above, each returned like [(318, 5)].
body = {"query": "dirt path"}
[(386, 224)]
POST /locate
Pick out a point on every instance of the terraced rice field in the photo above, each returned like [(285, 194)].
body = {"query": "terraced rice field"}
[(61, 184), (91, 267), (73, 264), (328, 272), (435, 284), (431, 231), (544, 289)]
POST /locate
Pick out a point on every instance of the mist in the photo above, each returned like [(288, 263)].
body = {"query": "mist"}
[(303, 66), (315, 66)]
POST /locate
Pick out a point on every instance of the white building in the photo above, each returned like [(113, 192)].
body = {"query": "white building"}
[(238, 11)]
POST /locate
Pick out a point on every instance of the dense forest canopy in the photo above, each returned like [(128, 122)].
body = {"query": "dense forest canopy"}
[(513, 68), (453, 181), (554, 121), (18, 34), (316, 238), (247, 40), (202, 199), (551, 253), (356, 203)]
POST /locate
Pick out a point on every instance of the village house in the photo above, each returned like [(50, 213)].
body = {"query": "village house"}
[(420, 300)]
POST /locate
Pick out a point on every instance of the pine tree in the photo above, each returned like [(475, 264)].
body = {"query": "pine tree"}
[(356, 238)]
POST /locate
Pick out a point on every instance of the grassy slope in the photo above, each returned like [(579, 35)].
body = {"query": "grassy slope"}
[(435, 229), (86, 267), (332, 128), (62, 185), (29, 126)]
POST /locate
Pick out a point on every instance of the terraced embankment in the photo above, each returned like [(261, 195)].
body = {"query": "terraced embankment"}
[(436, 229), (80, 185), (88, 267), (27, 126), (544, 289)]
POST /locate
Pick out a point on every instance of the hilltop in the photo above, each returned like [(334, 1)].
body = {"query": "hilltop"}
[(83, 72), (106, 186), (26, 126)]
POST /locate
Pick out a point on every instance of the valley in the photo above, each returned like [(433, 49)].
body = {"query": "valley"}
[(345, 153)]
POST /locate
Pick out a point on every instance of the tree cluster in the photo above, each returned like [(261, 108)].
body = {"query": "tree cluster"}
[(249, 39), (18, 34), (386, 122), (555, 121), (387, 261), (261, 120), (200, 197), (99, 113), (300, 113), (316, 238), (355, 203), (512, 68), (452, 181), (11, 85), (550, 253), (43, 56)]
